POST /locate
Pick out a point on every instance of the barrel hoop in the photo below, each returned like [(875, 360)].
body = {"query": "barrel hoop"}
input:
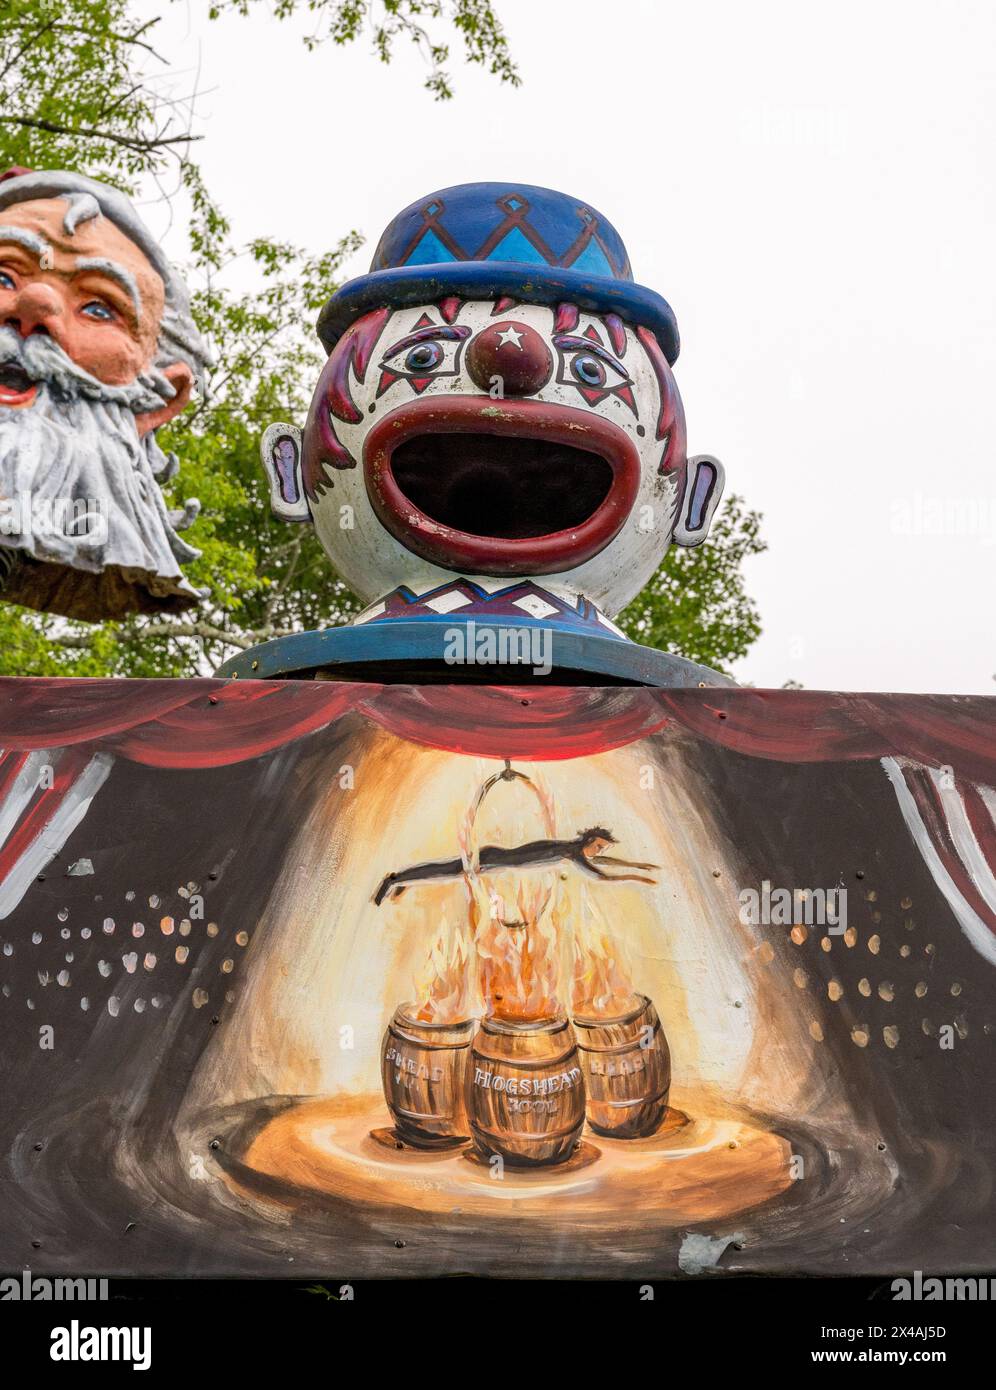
[(640, 1100), (419, 1114), (620, 1047), (503, 1029), (515, 1136), (429, 1046), (523, 1064)]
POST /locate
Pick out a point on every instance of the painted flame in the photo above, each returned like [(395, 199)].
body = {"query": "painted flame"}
[(519, 964), (602, 985), (522, 933), (516, 925), (444, 987)]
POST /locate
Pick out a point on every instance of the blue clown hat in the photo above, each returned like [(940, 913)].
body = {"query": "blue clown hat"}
[(491, 240)]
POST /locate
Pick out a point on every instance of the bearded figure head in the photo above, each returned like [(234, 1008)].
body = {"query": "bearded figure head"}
[(497, 427), (98, 350)]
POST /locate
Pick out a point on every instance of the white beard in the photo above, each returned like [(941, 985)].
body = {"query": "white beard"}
[(78, 486)]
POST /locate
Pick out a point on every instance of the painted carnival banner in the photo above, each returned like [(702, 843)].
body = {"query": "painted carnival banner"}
[(349, 980)]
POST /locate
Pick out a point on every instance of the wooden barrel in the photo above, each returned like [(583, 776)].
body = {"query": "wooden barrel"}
[(525, 1091), (423, 1066), (627, 1071)]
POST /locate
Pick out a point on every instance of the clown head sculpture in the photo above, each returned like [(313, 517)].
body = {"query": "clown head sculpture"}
[(497, 420), (97, 351)]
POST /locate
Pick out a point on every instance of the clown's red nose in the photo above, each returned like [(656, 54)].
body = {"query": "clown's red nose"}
[(510, 355)]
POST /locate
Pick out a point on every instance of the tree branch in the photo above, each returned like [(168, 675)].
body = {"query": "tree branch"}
[(32, 39), (81, 640), (132, 142)]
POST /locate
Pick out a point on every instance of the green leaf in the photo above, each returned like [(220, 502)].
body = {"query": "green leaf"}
[(696, 604)]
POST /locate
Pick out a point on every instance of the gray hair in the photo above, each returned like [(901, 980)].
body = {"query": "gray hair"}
[(82, 206), (179, 339)]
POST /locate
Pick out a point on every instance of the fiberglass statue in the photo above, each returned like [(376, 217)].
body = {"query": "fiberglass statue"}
[(97, 351), (495, 449)]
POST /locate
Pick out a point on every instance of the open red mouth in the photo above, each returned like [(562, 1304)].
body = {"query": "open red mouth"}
[(16, 387), (500, 487)]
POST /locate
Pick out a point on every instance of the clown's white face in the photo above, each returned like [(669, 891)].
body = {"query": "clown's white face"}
[(495, 439)]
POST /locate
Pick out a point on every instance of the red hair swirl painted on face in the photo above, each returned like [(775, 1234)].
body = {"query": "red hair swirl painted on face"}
[(333, 401), (671, 417)]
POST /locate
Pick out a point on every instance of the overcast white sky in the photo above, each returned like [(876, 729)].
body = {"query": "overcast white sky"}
[(813, 188)]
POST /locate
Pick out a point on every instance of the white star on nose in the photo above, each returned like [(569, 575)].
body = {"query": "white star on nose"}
[(510, 335)]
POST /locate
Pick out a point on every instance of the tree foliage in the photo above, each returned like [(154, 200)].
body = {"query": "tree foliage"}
[(82, 87), (420, 22), (697, 604)]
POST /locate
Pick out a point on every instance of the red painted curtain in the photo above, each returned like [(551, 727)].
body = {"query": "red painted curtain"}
[(207, 723), (938, 751)]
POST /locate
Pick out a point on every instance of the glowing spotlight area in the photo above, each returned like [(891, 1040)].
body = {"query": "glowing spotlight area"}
[(704, 1163), (530, 1011)]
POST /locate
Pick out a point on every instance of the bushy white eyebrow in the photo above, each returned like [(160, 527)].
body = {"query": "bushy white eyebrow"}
[(22, 237), (116, 272)]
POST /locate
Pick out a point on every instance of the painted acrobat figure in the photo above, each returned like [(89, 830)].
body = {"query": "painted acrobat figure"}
[(586, 851)]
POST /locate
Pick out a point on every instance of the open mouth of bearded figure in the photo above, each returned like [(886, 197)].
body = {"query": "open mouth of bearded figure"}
[(500, 487), (16, 387)]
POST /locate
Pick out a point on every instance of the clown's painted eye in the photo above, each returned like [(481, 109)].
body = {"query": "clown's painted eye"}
[(588, 370), (423, 357), (595, 372)]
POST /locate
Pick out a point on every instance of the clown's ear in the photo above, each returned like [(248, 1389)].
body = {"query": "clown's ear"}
[(280, 450), (703, 489)]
